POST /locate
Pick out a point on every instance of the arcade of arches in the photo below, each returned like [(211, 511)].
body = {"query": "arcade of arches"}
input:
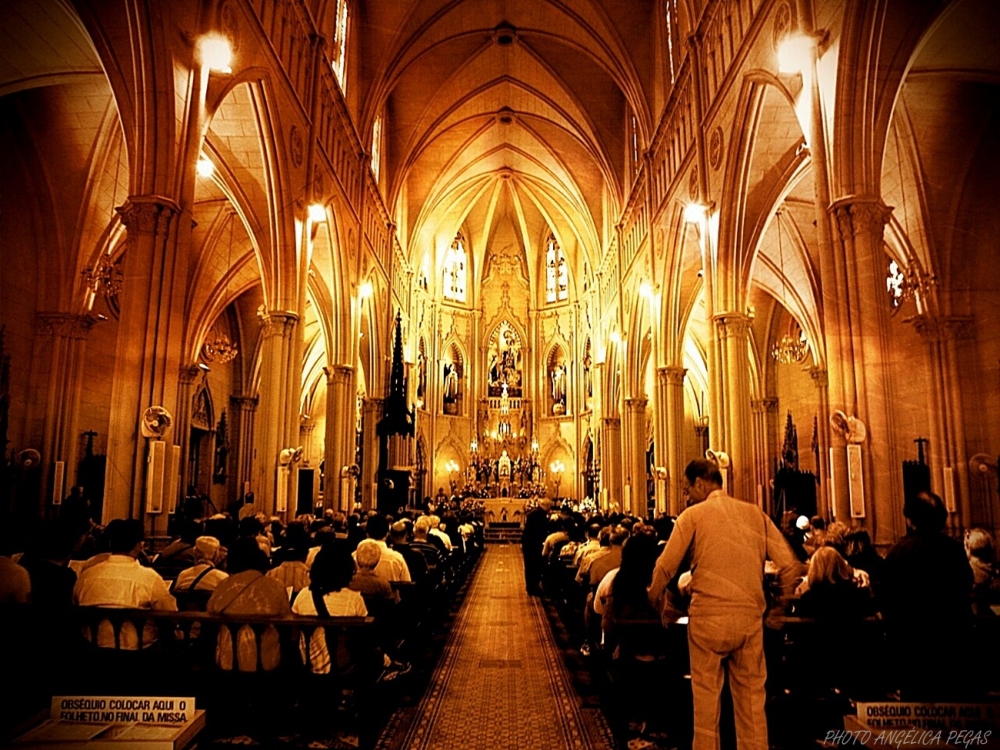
[(553, 248)]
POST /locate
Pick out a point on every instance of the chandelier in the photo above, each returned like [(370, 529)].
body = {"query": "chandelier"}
[(219, 348), (104, 278), (789, 349)]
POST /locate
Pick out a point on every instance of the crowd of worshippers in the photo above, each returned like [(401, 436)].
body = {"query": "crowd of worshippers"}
[(928, 589), (333, 565)]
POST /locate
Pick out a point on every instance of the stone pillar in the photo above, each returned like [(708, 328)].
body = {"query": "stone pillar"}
[(148, 355), (824, 498), (182, 420), (244, 410), (62, 341), (860, 225), (371, 413), (341, 405), (670, 381), (947, 448), (271, 425), (764, 423), (733, 384), (635, 416), (611, 459)]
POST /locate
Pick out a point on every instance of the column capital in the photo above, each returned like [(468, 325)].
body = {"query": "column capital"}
[(672, 375), (636, 403), (820, 377), (943, 327), (276, 322), (764, 405), (188, 374), (244, 403), (732, 324), (856, 215), (148, 213), (338, 374), (64, 325), (611, 423)]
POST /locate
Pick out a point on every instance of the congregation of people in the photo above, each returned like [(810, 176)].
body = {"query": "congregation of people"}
[(738, 584), (330, 565)]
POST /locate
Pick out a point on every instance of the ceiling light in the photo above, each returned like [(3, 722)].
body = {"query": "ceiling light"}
[(365, 290), (217, 54)]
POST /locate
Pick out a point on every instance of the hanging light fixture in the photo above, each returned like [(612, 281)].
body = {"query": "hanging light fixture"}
[(106, 277), (789, 349), (218, 347)]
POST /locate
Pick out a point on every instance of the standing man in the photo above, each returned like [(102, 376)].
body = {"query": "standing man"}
[(727, 541)]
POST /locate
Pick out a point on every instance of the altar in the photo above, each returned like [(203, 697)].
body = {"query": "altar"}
[(503, 509)]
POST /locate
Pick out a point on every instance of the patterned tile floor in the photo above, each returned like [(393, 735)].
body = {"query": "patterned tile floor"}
[(501, 683)]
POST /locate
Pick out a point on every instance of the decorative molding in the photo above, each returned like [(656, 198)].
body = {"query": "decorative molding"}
[(245, 403), (716, 148), (860, 216), (672, 375), (277, 323), (150, 214), (188, 374), (338, 374), (764, 405), (64, 325), (943, 328), (820, 377)]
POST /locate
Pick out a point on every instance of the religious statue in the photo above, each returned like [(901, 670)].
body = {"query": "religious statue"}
[(503, 466), (558, 378), (451, 386)]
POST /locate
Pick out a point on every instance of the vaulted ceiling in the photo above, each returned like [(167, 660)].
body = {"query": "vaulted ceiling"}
[(507, 112)]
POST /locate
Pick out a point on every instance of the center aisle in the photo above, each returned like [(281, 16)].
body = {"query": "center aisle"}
[(501, 682)]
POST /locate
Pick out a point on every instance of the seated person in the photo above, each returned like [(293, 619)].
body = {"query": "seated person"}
[(622, 594), (196, 584), (982, 559), (46, 561), (248, 591), (293, 572), (366, 581), (328, 595), (120, 581), (831, 591)]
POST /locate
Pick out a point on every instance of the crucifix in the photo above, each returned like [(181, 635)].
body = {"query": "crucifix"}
[(920, 448)]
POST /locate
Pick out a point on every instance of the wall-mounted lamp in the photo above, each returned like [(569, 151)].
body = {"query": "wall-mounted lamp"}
[(216, 54), (365, 290), (646, 290), (795, 53), (615, 337), (317, 213), (695, 212), (205, 167)]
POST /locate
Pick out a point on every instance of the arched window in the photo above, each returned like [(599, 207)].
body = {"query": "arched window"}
[(673, 39), (340, 45), (376, 146), (556, 273), (455, 270)]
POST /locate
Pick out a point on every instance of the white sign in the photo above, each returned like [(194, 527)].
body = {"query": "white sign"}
[(123, 709)]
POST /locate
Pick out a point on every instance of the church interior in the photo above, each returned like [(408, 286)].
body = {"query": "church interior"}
[(352, 255)]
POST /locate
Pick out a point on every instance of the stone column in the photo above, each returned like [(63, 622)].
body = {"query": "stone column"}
[(341, 405), (860, 225), (948, 455), (182, 420), (148, 354), (671, 385), (271, 427), (371, 413), (764, 412), (611, 459), (62, 341), (824, 498), (244, 410), (732, 330), (635, 415)]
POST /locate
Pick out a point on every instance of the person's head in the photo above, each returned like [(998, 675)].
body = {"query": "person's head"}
[(817, 523), (836, 536), (339, 522), (664, 526), (703, 478), (858, 542), (925, 513), (206, 549), (435, 520), (124, 536), (618, 536), (251, 526), (245, 554), (333, 568), (827, 566), (636, 571), (594, 531), (377, 527), (399, 532), (979, 546), (421, 527), (368, 554)]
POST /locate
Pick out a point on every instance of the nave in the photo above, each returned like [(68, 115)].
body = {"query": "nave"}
[(500, 682)]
